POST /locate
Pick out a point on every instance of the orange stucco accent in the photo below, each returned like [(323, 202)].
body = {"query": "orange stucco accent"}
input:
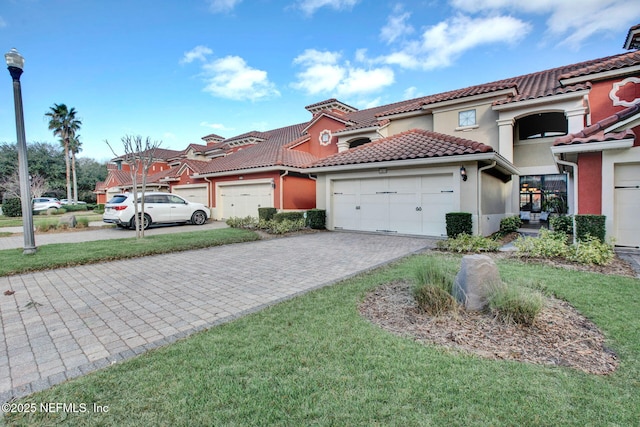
[(590, 183), (601, 104), (314, 147), (299, 193)]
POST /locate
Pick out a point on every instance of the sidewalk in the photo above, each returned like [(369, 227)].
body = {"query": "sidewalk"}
[(60, 324), (97, 231)]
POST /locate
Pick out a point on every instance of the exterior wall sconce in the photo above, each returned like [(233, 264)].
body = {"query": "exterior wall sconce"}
[(463, 173), (273, 184)]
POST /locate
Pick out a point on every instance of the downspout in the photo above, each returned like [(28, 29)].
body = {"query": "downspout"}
[(575, 192), (282, 189), (479, 194)]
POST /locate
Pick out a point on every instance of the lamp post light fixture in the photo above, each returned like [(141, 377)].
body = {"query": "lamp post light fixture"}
[(15, 64)]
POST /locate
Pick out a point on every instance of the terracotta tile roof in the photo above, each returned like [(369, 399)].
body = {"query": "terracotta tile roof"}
[(272, 151), (100, 187), (528, 86), (417, 104), (604, 64), (412, 144), (596, 132), (633, 38)]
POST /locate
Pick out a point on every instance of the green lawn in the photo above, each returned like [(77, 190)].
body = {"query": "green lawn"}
[(66, 254), (314, 360), (6, 221)]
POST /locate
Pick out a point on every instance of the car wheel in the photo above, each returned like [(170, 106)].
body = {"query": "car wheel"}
[(198, 218), (146, 222)]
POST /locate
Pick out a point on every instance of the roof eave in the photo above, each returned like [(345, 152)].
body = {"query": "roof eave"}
[(600, 76), (588, 147), (246, 171), (489, 156), (542, 100)]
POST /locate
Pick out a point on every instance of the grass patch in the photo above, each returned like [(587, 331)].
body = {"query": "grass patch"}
[(68, 254), (87, 216), (314, 360)]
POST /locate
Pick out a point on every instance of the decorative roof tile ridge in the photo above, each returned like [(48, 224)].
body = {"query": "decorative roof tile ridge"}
[(599, 127)]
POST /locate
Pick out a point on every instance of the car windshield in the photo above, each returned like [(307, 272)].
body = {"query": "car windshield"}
[(118, 199)]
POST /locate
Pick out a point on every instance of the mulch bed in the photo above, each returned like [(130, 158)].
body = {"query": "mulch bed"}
[(560, 336)]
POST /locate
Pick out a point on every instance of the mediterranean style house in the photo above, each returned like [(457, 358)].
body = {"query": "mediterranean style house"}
[(564, 140)]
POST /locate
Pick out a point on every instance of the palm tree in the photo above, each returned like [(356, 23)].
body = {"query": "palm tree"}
[(75, 146), (63, 123)]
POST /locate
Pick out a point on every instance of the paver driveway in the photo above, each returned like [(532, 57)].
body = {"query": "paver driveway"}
[(63, 323)]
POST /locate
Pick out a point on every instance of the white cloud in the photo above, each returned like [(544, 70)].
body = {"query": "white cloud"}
[(309, 7), (360, 81), (323, 73), (3, 23), (410, 93), (396, 26), (169, 135), (221, 6), (443, 43), (230, 77), (568, 21), (199, 52), (215, 126)]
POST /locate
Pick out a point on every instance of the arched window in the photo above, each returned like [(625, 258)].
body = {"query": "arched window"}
[(359, 142), (542, 125)]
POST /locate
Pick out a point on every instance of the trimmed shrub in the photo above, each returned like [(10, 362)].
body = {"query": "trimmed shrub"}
[(291, 216), (562, 224), (246, 222), (468, 243), (266, 213), (513, 304), (591, 251), (458, 223), (590, 225), (82, 222), (12, 207), (317, 219), (75, 208), (510, 224), (548, 244), (285, 226)]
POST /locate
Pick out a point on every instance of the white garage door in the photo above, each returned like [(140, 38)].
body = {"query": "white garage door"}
[(627, 204), (407, 205), (241, 200), (196, 194)]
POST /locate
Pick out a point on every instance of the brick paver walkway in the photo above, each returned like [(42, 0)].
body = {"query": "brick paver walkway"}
[(63, 323)]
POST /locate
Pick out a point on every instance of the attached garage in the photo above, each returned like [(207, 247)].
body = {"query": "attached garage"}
[(627, 204), (242, 198), (402, 204), (193, 193)]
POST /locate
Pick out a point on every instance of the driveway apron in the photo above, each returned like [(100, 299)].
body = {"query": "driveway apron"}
[(60, 324)]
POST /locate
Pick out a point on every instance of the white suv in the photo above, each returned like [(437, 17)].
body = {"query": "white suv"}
[(159, 208)]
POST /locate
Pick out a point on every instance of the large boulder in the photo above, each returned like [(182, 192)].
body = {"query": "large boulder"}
[(68, 220), (477, 275)]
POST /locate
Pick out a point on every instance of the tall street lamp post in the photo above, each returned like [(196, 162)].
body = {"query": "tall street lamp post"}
[(15, 63)]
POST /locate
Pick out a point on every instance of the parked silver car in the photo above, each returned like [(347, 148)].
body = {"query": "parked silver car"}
[(46, 203), (159, 208)]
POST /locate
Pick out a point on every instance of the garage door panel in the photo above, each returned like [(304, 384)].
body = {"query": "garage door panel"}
[(627, 204), (195, 194), (407, 205), (405, 213), (244, 199)]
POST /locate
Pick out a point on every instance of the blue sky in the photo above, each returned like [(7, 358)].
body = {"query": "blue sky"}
[(176, 71)]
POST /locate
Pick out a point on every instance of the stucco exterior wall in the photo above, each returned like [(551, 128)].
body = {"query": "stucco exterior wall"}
[(485, 131), (298, 192), (590, 183), (424, 121), (534, 156)]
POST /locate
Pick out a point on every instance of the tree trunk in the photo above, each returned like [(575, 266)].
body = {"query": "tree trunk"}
[(68, 167), (75, 178)]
